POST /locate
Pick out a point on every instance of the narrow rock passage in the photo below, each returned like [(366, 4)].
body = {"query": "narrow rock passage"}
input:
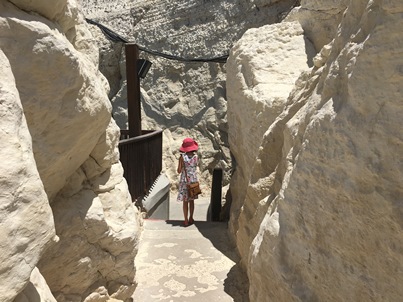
[(195, 263)]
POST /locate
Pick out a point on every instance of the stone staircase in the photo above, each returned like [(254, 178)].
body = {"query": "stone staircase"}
[(195, 263)]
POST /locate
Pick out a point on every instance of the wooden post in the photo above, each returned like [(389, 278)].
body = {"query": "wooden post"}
[(133, 90)]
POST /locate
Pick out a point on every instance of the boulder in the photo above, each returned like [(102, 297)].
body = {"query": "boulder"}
[(325, 189), (26, 220), (36, 290), (262, 70), (61, 146)]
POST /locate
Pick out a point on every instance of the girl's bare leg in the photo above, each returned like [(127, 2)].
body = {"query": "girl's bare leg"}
[(185, 212), (192, 209)]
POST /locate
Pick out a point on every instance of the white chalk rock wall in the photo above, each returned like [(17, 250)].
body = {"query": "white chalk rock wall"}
[(183, 98), (319, 19), (97, 224), (26, 221), (325, 189), (48, 54), (262, 70), (36, 290), (50, 78)]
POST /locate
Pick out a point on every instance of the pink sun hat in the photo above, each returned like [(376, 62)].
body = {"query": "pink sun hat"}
[(189, 145)]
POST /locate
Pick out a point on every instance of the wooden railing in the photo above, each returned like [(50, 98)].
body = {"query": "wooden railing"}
[(141, 158)]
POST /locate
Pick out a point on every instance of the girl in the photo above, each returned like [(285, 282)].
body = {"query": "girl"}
[(189, 161)]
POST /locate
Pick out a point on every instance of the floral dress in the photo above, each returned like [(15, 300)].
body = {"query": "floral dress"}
[(190, 164)]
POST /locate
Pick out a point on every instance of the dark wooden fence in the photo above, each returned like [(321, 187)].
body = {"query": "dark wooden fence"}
[(141, 158)]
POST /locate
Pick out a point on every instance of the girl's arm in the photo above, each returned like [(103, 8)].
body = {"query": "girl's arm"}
[(180, 165)]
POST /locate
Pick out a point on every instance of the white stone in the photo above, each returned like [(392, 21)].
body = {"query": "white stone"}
[(61, 147), (262, 70), (51, 56), (325, 190), (98, 228), (319, 19), (26, 221), (36, 290)]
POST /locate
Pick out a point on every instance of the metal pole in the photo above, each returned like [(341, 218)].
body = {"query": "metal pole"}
[(133, 90), (215, 198)]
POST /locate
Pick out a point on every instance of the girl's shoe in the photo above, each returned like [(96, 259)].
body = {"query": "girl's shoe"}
[(191, 221), (185, 223)]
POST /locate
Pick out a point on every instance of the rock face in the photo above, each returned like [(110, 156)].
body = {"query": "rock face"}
[(183, 98), (61, 171), (26, 221), (317, 201), (262, 70), (306, 113), (36, 290)]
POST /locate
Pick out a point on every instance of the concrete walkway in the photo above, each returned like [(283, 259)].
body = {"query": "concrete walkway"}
[(195, 263)]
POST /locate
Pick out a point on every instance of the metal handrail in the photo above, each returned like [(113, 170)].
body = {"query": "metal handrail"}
[(146, 134), (141, 158)]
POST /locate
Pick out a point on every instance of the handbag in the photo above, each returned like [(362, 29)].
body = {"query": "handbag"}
[(193, 187)]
